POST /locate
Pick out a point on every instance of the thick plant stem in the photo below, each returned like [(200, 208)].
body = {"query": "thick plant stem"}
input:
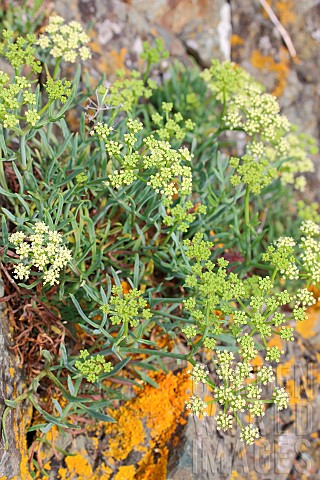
[(247, 225)]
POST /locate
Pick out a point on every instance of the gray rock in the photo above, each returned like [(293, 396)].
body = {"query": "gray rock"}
[(13, 457)]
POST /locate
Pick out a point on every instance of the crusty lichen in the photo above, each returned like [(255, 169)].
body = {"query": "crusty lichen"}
[(147, 424), (135, 447), (279, 69)]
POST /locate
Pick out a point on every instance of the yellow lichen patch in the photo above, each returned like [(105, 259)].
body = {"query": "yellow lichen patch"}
[(257, 361), (294, 393), (307, 328), (236, 40), (20, 424), (125, 473), (275, 341), (285, 11), (149, 470), (118, 58), (212, 407), (235, 476), (279, 69), (127, 434), (284, 369), (147, 423), (76, 465)]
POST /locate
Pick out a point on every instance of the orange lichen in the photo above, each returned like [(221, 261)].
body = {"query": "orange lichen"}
[(284, 9), (275, 341), (307, 328), (145, 426), (20, 424), (126, 437), (236, 40), (279, 69), (149, 470), (212, 407), (148, 422), (294, 393), (76, 465), (284, 369), (257, 361), (125, 473)]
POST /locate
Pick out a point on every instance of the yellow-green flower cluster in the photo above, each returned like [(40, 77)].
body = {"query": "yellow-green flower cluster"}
[(310, 247), (281, 256), (91, 368), (308, 211), (67, 41), (153, 55), (160, 165), (249, 434), (125, 92), (248, 108), (226, 79), (190, 331), (43, 250), (300, 146), (280, 398), (183, 214), (240, 392), (284, 252), (129, 308), (217, 290), (220, 302), (257, 114), (199, 373), (171, 127), (253, 169), (58, 89), (20, 52), (13, 95)]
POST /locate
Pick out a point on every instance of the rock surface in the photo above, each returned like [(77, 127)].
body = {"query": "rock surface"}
[(13, 457)]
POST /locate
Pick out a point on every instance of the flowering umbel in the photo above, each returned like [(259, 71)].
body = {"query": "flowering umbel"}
[(68, 41), (40, 249)]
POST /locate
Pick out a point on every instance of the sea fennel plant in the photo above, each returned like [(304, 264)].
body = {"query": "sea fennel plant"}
[(138, 224)]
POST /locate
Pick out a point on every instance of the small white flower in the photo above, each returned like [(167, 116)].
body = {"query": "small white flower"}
[(224, 421), (281, 398), (43, 250), (68, 41), (249, 434), (22, 272), (196, 406), (17, 238), (310, 228), (265, 374), (285, 242), (199, 373)]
